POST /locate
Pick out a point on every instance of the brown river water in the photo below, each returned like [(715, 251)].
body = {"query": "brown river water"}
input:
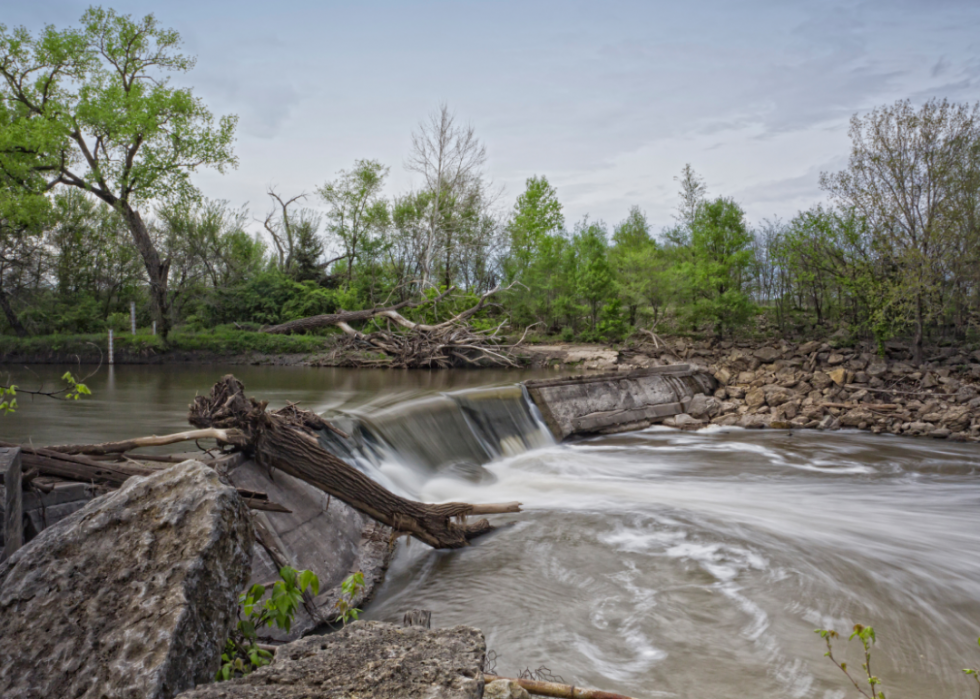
[(657, 563)]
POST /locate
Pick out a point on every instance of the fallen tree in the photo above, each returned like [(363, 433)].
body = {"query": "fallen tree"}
[(288, 440), (405, 344)]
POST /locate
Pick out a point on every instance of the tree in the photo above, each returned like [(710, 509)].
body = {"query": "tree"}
[(717, 271), (536, 214), (92, 108), (638, 263), (355, 206), (905, 178), (295, 238), (450, 158), (594, 281)]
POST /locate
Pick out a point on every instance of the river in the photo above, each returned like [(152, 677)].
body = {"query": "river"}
[(657, 563)]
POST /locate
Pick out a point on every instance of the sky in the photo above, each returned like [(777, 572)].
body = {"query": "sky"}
[(608, 100)]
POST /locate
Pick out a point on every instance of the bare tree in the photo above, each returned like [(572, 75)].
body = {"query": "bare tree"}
[(451, 159), (904, 177)]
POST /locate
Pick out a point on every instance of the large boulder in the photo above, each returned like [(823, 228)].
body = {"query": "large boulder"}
[(130, 597), (366, 659)]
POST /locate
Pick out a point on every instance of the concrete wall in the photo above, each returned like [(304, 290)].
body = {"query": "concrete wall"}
[(616, 402)]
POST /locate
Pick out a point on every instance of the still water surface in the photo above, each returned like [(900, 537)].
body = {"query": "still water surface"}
[(655, 563)]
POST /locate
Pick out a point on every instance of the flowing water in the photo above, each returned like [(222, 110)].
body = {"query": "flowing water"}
[(655, 563)]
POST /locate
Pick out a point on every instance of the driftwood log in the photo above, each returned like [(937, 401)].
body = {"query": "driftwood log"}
[(70, 467), (405, 344), (555, 689), (287, 439)]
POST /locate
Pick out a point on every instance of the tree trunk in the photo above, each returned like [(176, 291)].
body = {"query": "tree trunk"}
[(917, 341), (287, 439), (12, 318), (157, 271)]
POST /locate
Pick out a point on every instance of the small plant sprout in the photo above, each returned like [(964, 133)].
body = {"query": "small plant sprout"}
[(866, 635), (242, 652), (974, 673), (350, 588)]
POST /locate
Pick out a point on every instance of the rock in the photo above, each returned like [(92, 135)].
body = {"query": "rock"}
[(131, 596), (820, 380), (767, 355), (857, 417), (754, 422), (366, 659), (685, 421), (919, 428), (829, 422), (940, 433), (929, 381), (723, 376), (876, 368), (835, 359), (755, 398), (745, 377), (809, 348), (777, 395), (735, 392), (505, 689), (838, 376)]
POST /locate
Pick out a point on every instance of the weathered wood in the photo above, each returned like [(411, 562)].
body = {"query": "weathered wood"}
[(328, 319), (139, 442), (79, 468), (555, 689), (287, 439), (13, 525)]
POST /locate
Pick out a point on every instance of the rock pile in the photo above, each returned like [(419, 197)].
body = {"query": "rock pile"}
[(814, 385), (366, 659), (131, 596)]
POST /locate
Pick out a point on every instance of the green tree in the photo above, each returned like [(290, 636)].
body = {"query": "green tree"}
[(716, 273), (638, 264), (91, 107), (356, 206), (594, 282), (537, 213)]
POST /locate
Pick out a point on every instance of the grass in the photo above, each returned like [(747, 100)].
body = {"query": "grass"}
[(221, 340)]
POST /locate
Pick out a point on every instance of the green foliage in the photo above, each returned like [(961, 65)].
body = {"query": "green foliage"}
[(714, 271), (75, 389), (866, 635), (242, 652), (9, 396), (350, 588)]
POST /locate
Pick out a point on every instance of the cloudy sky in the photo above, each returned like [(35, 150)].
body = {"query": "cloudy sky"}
[(607, 99)]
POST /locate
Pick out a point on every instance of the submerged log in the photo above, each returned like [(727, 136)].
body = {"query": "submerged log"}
[(287, 439)]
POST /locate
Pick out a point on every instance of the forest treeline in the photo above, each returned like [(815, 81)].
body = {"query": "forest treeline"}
[(97, 210)]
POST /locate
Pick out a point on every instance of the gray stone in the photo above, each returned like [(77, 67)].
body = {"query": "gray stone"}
[(131, 596), (767, 355), (366, 659), (505, 689)]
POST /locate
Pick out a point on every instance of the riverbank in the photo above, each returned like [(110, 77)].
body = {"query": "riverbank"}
[(812, 385)]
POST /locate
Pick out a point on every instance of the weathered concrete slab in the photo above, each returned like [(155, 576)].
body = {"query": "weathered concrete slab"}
[(366, 659), (321, 534), (616, 402)]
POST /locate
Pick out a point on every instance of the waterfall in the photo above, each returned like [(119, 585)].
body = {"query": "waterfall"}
[(447, 432)]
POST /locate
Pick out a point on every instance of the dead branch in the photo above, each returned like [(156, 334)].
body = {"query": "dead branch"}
[(79, 468), (153, 441), (288, 440), (328, 319)]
